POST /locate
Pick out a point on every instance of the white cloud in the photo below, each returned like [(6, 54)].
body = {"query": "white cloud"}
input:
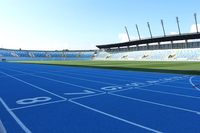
[(193, 28), (173, 33), (124, 38)]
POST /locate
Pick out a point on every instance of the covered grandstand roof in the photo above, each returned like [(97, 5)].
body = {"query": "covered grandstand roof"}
[(178, 37)]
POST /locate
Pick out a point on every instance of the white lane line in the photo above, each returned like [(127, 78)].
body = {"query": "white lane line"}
[(87, 96), (196, 87), (36, 105), (84, 92), (37, 87), (122, 89), (61, 75), (15, 117), (146, 84), (115, 76), (161, 82), (178, 78), (161, 92), (50, 79), (182, 78), (2, 128), (59, 101), (179, 87), (155, 103), (136, 87), (117, 118), (121, 75), (14, 75), (104, 77)]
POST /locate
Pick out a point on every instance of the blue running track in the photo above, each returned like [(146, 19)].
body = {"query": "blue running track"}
[(57, 99)]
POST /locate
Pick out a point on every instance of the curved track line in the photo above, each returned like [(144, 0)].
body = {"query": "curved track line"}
[(190, 80)]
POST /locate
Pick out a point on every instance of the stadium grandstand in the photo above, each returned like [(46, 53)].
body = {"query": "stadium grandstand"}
[(178, 47), (13, 55), (184, 47)]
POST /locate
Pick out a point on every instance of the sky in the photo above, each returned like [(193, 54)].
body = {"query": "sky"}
[(83, 24)]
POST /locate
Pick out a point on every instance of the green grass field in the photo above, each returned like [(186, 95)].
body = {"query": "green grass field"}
[(150, 66)]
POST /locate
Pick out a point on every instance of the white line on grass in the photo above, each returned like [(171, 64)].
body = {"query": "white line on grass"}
[(15, 117), (117, 118), (154, 103)]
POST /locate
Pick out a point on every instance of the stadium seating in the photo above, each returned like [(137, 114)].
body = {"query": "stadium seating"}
[(191, 54), (45, 55), (5, 53), (56, 54), (20, 53), (186, 54)]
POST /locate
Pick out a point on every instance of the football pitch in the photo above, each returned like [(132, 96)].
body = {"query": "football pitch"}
[(59, 99), (179, 67)]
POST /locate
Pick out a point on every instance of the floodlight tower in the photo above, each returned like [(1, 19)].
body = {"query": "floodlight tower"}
[(127, 33), (149, 29), (163, 28), (138, 32), (195, 17), (177, 21)]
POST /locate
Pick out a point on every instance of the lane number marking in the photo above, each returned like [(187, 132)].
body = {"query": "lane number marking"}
[(33, 100)]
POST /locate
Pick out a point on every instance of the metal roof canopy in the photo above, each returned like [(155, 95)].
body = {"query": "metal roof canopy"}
[(178, 37)]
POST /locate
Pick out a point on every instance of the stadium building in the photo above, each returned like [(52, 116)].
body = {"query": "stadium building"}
[(184, 47), (179, 47)]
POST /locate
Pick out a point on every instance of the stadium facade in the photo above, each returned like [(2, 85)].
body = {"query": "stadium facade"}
[(183, 47)]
